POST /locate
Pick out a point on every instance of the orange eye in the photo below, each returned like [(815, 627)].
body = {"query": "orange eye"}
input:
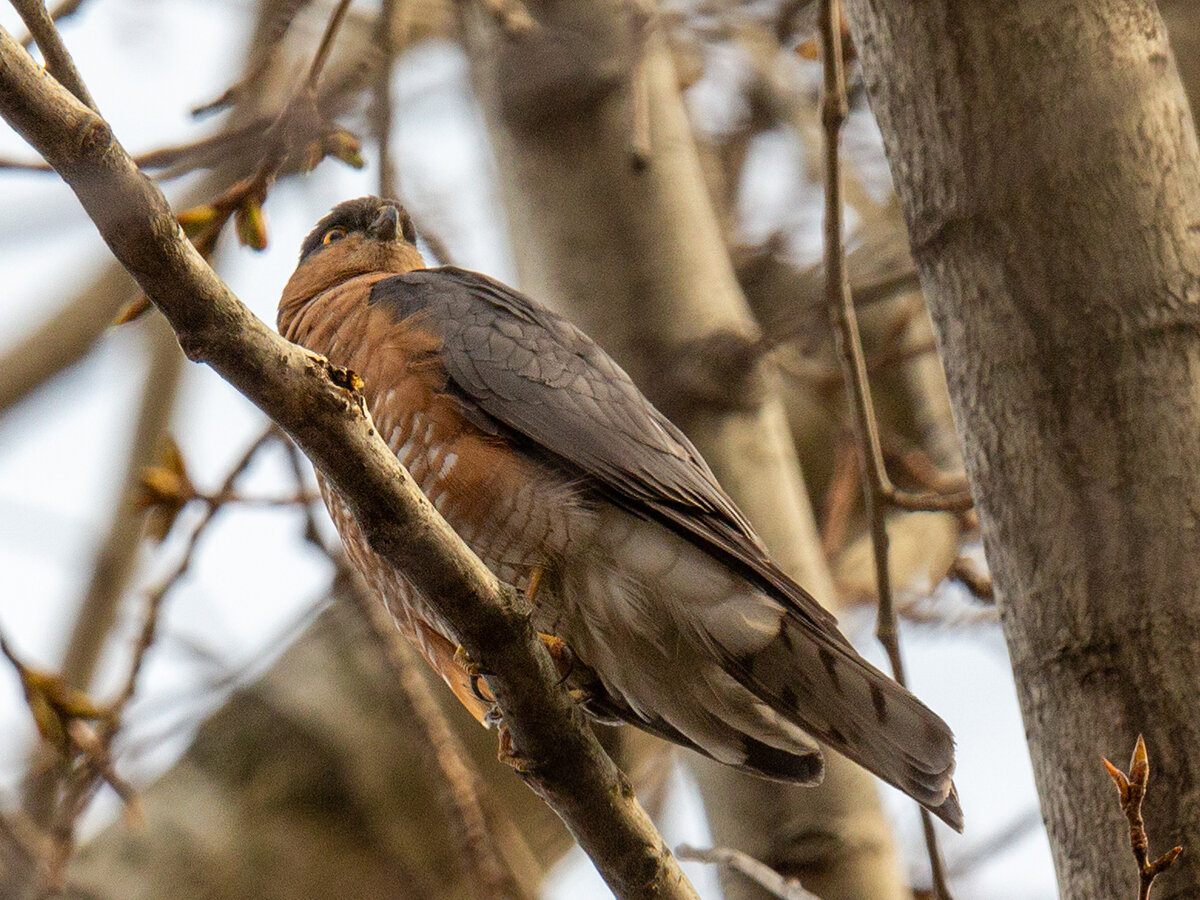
[(333, 234)]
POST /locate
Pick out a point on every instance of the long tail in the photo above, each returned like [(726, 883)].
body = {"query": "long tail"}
[(821, 684)]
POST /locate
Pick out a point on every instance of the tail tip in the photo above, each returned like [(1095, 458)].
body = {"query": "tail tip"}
[(950, 811)]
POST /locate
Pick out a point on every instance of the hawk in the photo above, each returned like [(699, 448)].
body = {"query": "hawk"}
[(568, 483)]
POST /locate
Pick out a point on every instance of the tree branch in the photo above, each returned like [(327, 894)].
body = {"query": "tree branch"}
[(58, 60), (317, 405)]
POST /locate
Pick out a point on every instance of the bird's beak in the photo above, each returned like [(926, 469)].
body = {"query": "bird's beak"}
[(386, 224)]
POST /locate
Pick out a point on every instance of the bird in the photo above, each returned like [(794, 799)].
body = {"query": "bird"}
[(647, 583)]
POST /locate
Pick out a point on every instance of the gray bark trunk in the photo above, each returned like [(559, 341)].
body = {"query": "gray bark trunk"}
[(636, 257), (1048, 167)]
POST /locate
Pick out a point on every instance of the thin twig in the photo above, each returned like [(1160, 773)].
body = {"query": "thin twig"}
[(64, 10), (114, 560), (54, 51), (978, 583), (1131, 791), (877, 489), (326, 45), (96, 766), (839, 498), (382, 101), (462, 784), (759, 872)]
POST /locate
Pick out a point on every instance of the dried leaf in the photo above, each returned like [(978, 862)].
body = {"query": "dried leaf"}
[(251, 224), (196, 220), (343, 145), (165, 488), (133, 310)]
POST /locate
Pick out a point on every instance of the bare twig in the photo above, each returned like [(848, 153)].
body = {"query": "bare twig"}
[(58, 60), (323, 49), (758, 872), (114, 559), (382, 101), (64, 10), (179, 158), (1131, 790), (318, 405), (96, 746), (462, 784), (877, 488), (839, 498)]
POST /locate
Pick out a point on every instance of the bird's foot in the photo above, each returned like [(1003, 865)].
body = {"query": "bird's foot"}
[(475, 678), (563, 656), (508, 754)]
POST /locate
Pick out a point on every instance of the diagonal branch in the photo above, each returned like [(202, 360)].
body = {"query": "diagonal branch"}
[(317, 405)]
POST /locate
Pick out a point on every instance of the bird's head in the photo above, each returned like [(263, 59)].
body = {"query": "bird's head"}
[(357, 237)]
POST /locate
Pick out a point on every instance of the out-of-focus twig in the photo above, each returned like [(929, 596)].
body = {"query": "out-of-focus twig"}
[(114, 559), (1131, 791), (93, 746), (381, 106), (978, 583), (840, 498), (462, 784), (759, 872), (877, 488)]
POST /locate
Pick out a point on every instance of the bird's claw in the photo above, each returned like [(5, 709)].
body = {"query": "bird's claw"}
[(563, 656), (468, 665), (508, 754)]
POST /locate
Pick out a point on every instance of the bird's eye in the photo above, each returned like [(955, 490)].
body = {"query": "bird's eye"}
[(333, 234)]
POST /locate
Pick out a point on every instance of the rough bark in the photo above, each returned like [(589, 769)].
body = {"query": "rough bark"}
[(635, 255), (316, 404), (1048, 167)]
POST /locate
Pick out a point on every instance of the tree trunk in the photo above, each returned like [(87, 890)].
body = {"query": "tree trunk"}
[(636, 257), (1048, 167)]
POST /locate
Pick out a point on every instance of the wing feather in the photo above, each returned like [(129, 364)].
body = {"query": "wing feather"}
[(546, 382)]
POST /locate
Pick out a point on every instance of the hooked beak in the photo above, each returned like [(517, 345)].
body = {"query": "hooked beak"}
[(386, 224)]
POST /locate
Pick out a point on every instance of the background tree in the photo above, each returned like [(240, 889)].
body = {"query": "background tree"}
[(1047, 162)]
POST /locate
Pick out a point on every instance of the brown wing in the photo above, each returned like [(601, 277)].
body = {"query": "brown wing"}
[(531, 373)]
